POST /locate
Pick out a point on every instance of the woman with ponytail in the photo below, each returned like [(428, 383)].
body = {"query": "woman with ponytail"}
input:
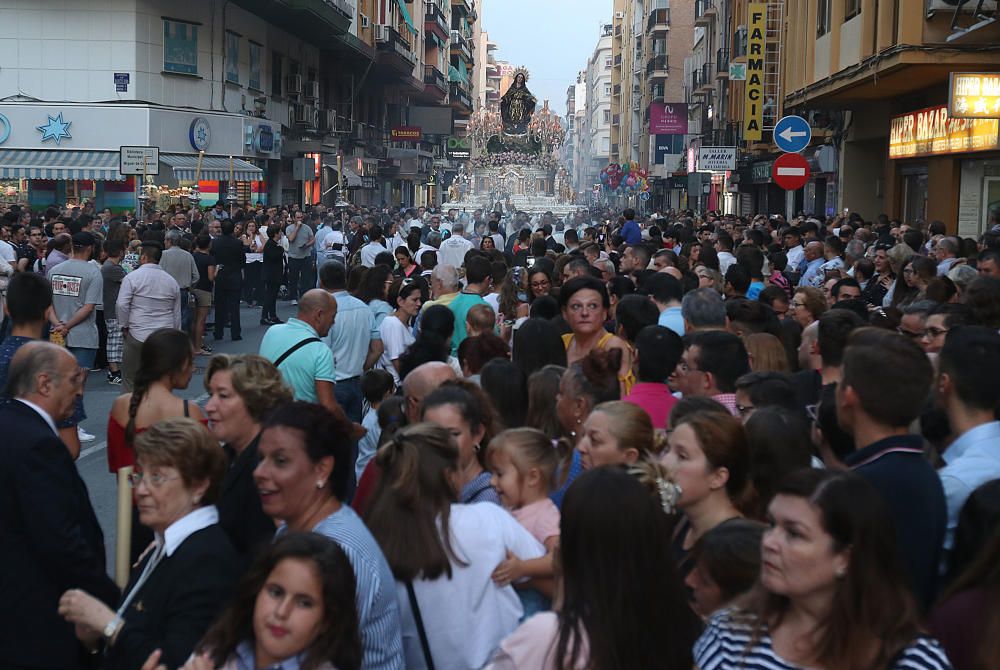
[(443, 553), (710, 461), (166, 364)]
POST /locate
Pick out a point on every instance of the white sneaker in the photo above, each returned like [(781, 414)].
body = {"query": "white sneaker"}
[(295, 303), (83, 435)]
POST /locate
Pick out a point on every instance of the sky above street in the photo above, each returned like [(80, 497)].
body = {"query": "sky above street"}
[(552, 38)]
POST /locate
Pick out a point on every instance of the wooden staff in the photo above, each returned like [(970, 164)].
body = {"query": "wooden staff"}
[(124, 531), (197, 170)]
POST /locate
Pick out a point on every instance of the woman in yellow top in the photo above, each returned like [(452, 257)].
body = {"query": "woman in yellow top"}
[(585, 304)]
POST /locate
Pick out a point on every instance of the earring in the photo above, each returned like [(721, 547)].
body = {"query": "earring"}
[(840, 573), (197, 499), (320, 484)]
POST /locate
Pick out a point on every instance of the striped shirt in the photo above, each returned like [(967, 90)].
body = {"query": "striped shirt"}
[(378, 609), (725, 645)]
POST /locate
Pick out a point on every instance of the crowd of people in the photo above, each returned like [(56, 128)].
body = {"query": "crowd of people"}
[(504, 441)]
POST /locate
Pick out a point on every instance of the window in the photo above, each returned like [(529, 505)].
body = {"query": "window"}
[(607, 116), (255, 54), (607, 63), (276, 72), (607, 89), (851, 9), (232, 57), (180, 47), (822, 17)]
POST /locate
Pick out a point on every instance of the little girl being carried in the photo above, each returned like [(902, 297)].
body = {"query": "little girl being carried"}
[(523, 462)]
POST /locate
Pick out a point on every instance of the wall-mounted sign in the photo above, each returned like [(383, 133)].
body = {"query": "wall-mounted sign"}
[(139, 160), (932, 132), (56, 129), (264, 139), (716, 159), (121, 82), (406, 133), (4, 128), (753, 108), (459, 148), (668, 118), (200, 133), (737, 72), (974, 95)]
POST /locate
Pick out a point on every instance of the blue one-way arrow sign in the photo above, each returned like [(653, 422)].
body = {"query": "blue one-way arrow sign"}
[(792, 134)]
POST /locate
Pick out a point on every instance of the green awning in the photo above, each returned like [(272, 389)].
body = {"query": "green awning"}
[(406, 16), (454, 75)]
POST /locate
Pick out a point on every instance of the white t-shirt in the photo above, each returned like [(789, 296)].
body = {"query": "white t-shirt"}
[(452, 251), (8, 252), (369, 252), (396, 337), (334, 246), (467, 616)]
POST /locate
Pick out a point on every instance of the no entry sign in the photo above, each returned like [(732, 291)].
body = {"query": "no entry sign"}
[(790, 172)]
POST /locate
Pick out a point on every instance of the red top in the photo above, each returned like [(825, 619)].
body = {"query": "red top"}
[(656, 399), (370, 478), (120, 455)]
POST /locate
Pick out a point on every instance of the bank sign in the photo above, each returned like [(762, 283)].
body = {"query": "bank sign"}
[(716, 159), (932, 132)]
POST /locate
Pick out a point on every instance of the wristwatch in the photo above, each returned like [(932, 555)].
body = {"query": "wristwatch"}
[(110, 629)]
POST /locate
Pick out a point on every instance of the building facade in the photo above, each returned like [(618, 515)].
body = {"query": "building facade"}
[(599, 93)]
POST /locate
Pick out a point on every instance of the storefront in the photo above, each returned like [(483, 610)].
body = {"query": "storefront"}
[(767, 197), (820, 196), (69, 153), (944, 168)]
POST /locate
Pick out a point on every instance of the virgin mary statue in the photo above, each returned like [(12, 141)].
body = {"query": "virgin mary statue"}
[(517, 106)]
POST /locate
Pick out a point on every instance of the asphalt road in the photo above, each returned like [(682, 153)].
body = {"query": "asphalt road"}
[(99, 396)]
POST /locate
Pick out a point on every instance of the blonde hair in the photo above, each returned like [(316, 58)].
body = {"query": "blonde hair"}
[(187, 446), (633, 428), (255, 379), (767, 353), (528, 448)]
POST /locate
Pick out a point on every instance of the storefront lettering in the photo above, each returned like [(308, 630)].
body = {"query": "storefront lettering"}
[(930, 132)]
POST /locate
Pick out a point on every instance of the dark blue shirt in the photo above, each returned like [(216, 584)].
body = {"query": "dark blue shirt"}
[(631, 232), (913, 493), (8, 348)]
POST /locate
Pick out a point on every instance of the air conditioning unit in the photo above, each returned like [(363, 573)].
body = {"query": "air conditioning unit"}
[(293, 84), (327, 121), (311, 90), (300, 115), (382, 33), (619, 15), (365, 21)]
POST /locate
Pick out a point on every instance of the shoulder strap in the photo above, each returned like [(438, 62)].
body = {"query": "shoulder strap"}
[(186, 410), (296, 347), (424, 645)]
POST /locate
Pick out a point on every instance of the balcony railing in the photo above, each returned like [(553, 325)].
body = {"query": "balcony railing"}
[(391, 42), (434, 77), (706, 75), (702, 15), (435, 19), (617, 89), (658, 64), (618, 60), (616, 119), (722, 63), (659, 19), (739, 44), (460, 96), (460, 44), (696, 81)]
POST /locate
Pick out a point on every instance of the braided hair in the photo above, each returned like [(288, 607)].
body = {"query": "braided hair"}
[(164, 352)]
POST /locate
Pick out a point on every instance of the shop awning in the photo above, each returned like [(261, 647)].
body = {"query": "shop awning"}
[(351, 178), (213, 168), (97, 165), (406, 16)]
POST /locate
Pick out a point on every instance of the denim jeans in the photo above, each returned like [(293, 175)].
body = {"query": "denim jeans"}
[(348, 394), (84, 357)]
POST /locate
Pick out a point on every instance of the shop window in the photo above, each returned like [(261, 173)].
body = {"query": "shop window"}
[(180, 47), (823, 8), (851, 9)]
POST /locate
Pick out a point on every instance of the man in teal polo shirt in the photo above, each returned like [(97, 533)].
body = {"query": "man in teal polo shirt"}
[(305, 362)]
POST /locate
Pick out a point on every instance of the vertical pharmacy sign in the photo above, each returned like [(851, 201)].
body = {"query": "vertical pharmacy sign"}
[(753, 109)]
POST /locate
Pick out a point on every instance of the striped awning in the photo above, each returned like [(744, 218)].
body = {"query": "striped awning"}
[(213, 168), (35, 164)]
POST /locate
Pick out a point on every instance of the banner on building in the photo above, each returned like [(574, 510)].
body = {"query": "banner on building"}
[(753, 108), (406, 133), (716, 159), (459, 148), (668, 118), (932, 132), (974, 95)]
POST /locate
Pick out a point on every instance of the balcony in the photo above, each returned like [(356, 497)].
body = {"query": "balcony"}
[(618, 61), (461, 101), (616, 119), (704, 12), (696, 82), (658, 21), (461, 46), (618, 31), (435, 85), (436, 22), (740, 44), (706, 76), (614, 150), (463, 7), (394, 51), (658, 67), (313, 20), (656, 93), (722, 64)]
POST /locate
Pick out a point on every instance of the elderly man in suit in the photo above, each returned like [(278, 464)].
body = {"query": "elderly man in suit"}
[(50, 540)]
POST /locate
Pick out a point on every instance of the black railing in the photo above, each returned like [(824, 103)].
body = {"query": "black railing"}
[(722, 61), (658, 63), (706, 74), (658, 17), (434, 77)]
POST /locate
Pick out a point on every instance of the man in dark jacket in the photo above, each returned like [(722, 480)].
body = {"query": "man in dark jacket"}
[(231, 257), (50, 540)]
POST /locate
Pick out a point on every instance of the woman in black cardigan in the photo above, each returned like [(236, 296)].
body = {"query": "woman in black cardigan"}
[(180, 584)]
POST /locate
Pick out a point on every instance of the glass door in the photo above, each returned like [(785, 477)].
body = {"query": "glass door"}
[(914, 197), (991, 197)]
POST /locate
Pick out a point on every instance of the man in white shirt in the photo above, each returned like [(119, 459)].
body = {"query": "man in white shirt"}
[(452, 251), (724, 249), (375, 246), (794, 252), (149, 299), (180, 265)]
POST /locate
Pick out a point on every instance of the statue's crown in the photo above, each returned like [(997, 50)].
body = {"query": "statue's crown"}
[(523, 71)]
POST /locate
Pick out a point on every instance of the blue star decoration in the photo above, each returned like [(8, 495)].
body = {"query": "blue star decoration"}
[(56, 129)]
